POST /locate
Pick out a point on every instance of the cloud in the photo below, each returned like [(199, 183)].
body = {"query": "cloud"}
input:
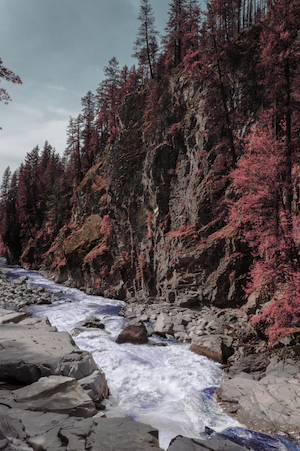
[(56, 88), (13, 149)]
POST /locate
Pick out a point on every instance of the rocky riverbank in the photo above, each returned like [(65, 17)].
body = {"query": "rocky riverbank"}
[(51, 391), (261, 385)]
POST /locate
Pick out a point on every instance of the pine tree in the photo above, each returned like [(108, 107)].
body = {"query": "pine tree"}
[(73, 152), (88, 117), (108, 100), (146, 45), (9, 222), (175, 31)]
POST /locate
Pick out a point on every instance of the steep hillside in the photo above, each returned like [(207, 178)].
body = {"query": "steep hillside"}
[(150, 214)]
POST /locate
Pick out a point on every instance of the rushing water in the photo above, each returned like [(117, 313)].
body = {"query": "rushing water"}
[(161, 383)]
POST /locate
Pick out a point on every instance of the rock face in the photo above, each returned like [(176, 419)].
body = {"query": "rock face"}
[(149, 219)]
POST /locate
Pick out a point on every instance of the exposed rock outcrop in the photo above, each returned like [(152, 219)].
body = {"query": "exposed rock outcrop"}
[(264, 393), (150, 214)]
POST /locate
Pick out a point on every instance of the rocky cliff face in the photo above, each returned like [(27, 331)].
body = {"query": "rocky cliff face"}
[(150, 215)]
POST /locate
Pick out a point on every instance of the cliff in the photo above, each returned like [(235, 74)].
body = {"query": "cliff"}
[(149, 219)]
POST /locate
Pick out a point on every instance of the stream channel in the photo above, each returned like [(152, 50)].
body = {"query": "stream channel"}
[(161, 383)]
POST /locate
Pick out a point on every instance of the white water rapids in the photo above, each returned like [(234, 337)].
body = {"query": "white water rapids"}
[(168, 386)]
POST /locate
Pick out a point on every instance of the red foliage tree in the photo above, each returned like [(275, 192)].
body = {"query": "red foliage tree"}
[(259, 210), (280, 56)]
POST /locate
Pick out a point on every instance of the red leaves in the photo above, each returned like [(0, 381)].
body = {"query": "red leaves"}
[(267, 227)]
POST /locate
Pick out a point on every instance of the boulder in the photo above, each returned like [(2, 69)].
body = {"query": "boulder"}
[(252, 364), (122, 434), (213, 444), (32, 349), (42, 429), (133, 333), (163, 325), (215, 347), (12, 435), (55, 394), (93, 323), (95, 385)]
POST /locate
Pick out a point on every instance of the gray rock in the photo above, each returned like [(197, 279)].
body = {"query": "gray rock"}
[(32, 349), (42, 429), (215, 347), (55, 394), (122, 434), (214, 444), (95, 385), (12, 435), (59, 432), (10, 316), (270, 404), (163, 325)]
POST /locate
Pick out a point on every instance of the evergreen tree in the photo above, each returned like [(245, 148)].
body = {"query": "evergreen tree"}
[(108, 100), (175, 32), (88, 117), (73, 152), (146, 45)]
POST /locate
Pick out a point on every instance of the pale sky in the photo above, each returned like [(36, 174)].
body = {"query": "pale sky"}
[(59, 49)]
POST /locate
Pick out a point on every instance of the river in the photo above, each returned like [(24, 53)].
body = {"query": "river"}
[(161, 383)]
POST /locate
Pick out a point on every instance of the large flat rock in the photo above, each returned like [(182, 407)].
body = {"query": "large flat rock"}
[(213, 444), (270, 404), (55, 394), (32, 349)]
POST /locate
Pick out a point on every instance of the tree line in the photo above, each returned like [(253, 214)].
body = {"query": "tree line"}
[(245, 56)]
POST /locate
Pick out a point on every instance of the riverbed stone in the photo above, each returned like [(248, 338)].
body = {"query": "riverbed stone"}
[(60, 432), (95, 385), (214, 444), (133, 333), (215, 347), (55, 394), (122, 434), (11, 316), (32, 349), (163, 325)]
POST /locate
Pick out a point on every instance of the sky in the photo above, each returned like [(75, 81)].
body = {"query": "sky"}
[(59, 49)]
